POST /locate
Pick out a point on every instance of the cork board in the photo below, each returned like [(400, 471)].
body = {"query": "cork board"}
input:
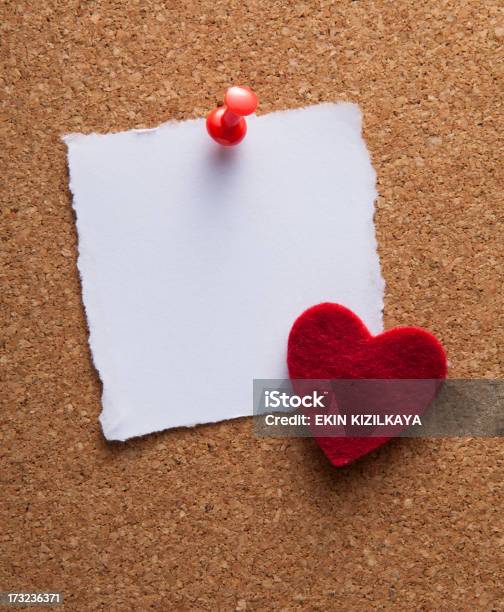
[(213, 518)]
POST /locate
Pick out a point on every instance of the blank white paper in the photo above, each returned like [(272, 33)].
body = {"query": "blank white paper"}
[(196, 259)]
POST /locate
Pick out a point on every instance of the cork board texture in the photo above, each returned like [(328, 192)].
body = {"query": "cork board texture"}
[(213, 518)]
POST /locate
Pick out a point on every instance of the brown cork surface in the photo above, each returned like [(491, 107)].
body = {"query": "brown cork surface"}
[(214, 518)]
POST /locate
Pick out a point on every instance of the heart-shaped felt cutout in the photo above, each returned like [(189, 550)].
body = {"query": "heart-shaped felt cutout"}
[(329, 342)]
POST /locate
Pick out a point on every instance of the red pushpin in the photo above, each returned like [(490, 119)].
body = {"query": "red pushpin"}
[(226, 124)]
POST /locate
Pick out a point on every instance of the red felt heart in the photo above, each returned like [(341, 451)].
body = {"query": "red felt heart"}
[(329, 342)]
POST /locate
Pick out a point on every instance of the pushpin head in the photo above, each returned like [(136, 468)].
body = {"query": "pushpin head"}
[(240, 100), (226, 124)]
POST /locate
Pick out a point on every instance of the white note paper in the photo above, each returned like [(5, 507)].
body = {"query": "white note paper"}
[(196, 259)]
